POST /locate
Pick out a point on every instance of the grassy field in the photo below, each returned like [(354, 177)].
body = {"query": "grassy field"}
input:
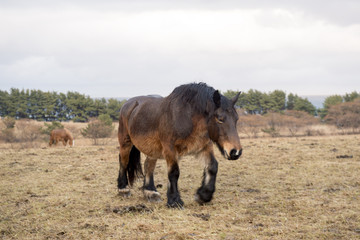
[(281, 188)]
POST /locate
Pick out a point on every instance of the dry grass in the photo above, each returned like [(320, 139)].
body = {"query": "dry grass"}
[(281, 188), (27, 135), (307, 130)]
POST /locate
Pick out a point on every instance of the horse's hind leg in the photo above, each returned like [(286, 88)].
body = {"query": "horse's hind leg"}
[(123, 183), (149, 188), (205, 192)]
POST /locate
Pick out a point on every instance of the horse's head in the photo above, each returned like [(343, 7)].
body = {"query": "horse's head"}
[(70, 138), (222, 126)]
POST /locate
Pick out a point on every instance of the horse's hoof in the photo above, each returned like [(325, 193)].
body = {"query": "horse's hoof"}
[(200, 200), (124, 192), (179, 204), (152, 196), (203, 195)]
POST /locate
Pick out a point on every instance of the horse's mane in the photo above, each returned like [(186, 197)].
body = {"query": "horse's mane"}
[(69, 134), (197, 95)]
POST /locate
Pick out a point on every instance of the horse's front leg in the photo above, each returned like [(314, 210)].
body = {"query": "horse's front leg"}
[(205, 192), (173, 195), (149, 188)]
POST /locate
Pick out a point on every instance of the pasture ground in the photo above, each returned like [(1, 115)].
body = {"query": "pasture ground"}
[(281, 188)]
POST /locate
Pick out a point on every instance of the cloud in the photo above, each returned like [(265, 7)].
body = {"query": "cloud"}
[(335, 11), (125, 48)]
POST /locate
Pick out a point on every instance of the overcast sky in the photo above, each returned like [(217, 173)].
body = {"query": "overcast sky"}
[(139, 47)]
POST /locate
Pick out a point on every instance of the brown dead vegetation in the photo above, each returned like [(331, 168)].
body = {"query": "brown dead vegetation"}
[(342, 119), (296, 124), (281, 188), (345, 116)]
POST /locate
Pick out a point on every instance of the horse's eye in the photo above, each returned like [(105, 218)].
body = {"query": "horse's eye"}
[(219, 119)]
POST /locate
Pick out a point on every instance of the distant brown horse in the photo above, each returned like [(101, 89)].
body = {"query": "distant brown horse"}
[(187, 121), (63, 135)]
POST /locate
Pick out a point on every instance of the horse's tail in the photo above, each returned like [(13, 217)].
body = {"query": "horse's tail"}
[(134, 169)]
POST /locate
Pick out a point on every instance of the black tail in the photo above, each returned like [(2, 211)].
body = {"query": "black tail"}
[(134, 169)]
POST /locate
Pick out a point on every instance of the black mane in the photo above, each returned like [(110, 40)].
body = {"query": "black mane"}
[(197, 95)]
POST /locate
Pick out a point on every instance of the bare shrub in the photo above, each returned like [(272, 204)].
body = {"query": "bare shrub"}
[(98, 129), (251, 125), (345, 116), (313, 132), (273, 132), (293, 124), (305, 117), (8, 131), (274, 122), (8, 135), (28, 133), (294, 121), (9, 122)]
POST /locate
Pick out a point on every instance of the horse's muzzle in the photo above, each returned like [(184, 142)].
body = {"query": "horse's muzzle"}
[(234, 154)]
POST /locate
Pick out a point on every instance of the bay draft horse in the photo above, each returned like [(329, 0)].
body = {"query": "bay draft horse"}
[(186, 122), (62, 135)]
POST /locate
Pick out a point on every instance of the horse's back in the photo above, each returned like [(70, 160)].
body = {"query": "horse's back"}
[(61, 133), (56, 132), (141, 112)]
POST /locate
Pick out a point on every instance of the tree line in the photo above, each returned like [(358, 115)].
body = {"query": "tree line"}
[(53, 106), (256, 102)]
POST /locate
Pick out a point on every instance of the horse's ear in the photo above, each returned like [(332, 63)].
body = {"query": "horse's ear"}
[(235, 98), (217, 98)]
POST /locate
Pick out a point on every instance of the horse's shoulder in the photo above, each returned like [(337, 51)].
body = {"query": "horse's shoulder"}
[(178, 117)]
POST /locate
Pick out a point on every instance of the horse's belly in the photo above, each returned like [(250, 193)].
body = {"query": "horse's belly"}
[(149, 146)]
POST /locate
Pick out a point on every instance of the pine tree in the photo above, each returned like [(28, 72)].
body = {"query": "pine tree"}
[(113, 108), (4, 103)]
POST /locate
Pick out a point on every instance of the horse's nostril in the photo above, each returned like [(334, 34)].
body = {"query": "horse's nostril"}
[(234, 154)]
